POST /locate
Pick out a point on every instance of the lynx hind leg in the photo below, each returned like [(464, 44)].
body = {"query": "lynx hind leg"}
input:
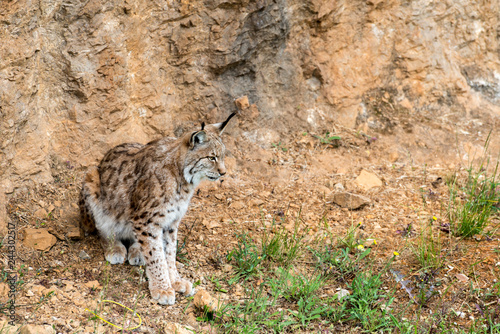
[(115, 251), (170, 246), (88, 197), (135, 256)]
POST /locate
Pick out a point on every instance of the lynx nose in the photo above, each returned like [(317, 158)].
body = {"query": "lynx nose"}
[(222, 170)]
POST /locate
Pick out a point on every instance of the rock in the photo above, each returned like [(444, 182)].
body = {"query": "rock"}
[(210, 224), (83, 255), (41, 213), (37, 329), (174, 328), (342, 293), (237, 205), (39, 239), (74, 232), (367, 180), (93, 285), (322, 190), (242, 103), (348, 200), (204, 301), (227, 268), (339, 187), (256, 202), (462, 277)]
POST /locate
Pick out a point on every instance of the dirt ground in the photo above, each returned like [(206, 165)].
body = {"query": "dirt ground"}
[(292, 178)]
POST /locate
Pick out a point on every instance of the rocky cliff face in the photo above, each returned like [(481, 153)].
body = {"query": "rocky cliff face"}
[(78, 77)]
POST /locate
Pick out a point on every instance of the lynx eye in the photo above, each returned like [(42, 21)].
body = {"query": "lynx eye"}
[(212, 158)]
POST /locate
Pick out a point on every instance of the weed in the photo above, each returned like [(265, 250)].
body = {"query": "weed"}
[(295, 287), (428, 250), (279, 146), (469, 211), (366, 300), (281, 246), (328, 140), (246, 256)]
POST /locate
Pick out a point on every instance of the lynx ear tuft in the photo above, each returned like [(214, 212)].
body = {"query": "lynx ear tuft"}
[(198, 138), (221, 126)]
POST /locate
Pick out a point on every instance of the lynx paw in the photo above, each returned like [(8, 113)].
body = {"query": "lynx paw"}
[(164, 297), (116, 255), (135, 257), (184, 286)]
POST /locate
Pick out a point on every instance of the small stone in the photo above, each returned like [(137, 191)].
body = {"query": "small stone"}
[(256, 202), (36, 329), (203, 301), (349, 200), (57, 203), (210, 224), (342, 293), (41, 213), (29, 293), (51, 208), (83, 255), (339, 187), (393, 157), (93, 285), (242, 103), (74, 232), (322, 190), (39, 239), (174, 328), (367, 180), (237, 205), (227, 268), (462, 277), (369, 242)]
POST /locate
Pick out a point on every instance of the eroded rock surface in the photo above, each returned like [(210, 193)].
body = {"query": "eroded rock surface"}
[(79, 77)]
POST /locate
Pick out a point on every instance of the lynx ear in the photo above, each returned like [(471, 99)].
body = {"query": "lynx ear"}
[(197, 138), (221, 126)]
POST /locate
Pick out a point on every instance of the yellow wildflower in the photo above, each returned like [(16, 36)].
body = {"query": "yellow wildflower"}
[(396, 254), (360, 247)]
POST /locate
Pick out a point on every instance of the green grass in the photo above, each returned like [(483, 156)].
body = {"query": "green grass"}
[(428, 250), (472, 205), (290, 287)]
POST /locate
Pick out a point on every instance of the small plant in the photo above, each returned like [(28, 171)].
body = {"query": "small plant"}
[(281, 246), (351, 238), (470, 210), (328, 140), (366, 303), (279, 146), (295, 287), (428, 250), (246, 256)]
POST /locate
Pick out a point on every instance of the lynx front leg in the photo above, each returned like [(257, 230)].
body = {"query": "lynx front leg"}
[(150, 239), (170, 245)]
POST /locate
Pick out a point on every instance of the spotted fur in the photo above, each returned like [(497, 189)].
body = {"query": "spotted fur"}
[(138, 195)]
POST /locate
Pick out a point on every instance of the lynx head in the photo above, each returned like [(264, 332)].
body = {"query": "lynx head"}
[(205, 154)]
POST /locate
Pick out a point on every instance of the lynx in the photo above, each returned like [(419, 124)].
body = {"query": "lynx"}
[(138, 195)]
